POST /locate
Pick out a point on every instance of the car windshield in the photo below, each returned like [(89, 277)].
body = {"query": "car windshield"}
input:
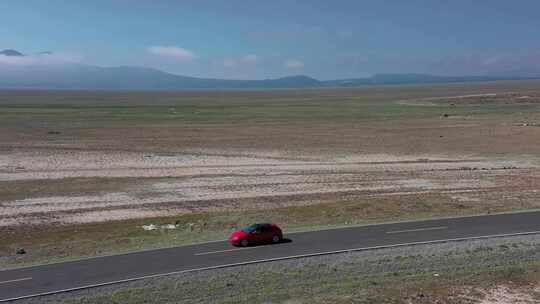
[(250, 228)]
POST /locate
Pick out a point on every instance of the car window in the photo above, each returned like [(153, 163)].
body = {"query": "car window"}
[(250, 228), (265, 229)]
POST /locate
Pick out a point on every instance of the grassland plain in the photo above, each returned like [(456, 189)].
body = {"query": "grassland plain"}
[(82, 172)]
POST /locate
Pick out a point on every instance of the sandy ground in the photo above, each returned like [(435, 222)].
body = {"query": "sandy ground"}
[(163, 183), (507, 295)]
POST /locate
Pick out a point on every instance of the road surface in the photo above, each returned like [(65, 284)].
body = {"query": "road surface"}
[(61, 277)]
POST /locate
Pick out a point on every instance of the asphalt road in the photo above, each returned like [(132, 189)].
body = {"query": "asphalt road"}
[(39, 280)]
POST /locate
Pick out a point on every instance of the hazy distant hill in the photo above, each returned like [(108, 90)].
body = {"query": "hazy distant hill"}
[(128, 78), (380, 79), (76, 76), (10, 53)]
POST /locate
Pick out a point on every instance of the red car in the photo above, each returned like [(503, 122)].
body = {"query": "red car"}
[(256, 234)]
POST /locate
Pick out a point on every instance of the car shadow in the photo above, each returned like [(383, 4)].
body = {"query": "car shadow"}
[(283, 241)]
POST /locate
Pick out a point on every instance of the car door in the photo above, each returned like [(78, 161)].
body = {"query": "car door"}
[(256, 235), (266, 233)]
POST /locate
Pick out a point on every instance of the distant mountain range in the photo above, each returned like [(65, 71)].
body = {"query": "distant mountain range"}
[(86, 77)]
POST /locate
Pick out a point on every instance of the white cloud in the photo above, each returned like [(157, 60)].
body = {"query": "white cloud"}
[(294, 64), (236, 62), (525, 63), (229, 63), (174, 52), (40, 59), (251, 58), (16, 60)]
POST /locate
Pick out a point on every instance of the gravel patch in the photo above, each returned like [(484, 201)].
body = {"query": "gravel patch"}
[(185, 179)]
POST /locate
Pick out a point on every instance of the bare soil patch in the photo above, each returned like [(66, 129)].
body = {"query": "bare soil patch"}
[(127, 185)]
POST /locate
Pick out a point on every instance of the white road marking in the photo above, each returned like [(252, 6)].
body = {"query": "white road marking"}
[(224, 251), (418, 229), (293, 233), (231, 250), (270, 260), (15, 280)]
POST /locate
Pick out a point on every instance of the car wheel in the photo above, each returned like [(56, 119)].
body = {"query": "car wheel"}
[(276, 239), (244, 243)]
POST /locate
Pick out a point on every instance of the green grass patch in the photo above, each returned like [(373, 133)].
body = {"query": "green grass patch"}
[(241, 113)]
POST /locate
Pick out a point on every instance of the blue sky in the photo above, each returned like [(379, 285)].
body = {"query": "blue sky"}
[(260, 39)]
